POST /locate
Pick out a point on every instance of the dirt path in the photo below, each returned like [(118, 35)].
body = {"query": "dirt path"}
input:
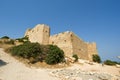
[(12, 69)]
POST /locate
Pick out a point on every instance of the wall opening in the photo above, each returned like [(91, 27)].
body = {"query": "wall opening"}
[(32, 30), (64, 40), (79, 49), (52, 42)]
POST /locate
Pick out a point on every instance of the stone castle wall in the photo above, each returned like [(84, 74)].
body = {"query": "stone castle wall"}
[(79, 47), (40, 33), (72, 44), (92, 49), (67, 41), (63, 40)]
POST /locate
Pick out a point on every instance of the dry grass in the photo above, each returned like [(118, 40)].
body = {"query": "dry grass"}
[(41, 64), (44, 65), (5, 46), (37, 65)]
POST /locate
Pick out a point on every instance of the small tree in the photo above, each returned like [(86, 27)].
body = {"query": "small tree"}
[(96, 58), (55, 55), (5, 37), (76, 57), (27, 50), (109, 62)]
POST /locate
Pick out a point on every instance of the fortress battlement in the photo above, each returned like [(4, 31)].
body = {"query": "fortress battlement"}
[(69, 42)]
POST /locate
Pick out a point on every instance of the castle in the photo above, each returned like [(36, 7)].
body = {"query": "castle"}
[(67, 41)]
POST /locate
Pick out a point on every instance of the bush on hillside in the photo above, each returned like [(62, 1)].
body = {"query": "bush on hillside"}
[(96, 58), (75, 56), (5, 37), (109, 62), (35, 52), (27, 50), (55, 55)]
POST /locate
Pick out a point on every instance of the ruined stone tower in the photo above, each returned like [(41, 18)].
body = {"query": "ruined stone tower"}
[(67, 41), (40, 33)]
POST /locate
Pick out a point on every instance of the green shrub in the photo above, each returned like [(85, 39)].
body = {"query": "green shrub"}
[(76, 57), (36, 52), (109, 62), (27, 50), (55, 55), (96, 58), (5, 37)]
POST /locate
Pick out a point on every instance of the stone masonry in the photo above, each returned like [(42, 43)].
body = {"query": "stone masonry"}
[(67, 41), (39, 33)]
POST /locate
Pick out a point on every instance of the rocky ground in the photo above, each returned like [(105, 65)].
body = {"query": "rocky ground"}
[(78, 74), (12, 69)]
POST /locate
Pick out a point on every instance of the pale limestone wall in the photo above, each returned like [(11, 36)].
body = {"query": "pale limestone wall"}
[(83, 49), (63, 40), (79, 47), (67, 41), (39, 33), (92, 49), (72, 44), (46, 35)]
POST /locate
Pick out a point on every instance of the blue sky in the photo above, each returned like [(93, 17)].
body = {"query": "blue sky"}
[(92, 20)]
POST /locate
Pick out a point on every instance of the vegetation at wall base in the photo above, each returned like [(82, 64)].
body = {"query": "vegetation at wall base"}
[(96, 58), (55, 55), (35, 52), (75, 56), (112, 63)]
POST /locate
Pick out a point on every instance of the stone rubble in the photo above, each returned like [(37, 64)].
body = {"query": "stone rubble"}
[(77, 74)]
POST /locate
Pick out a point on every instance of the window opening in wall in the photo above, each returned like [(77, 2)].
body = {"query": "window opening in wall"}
[(72, 40), (64, 40), (37, 29), (52, 42), (79, 49)]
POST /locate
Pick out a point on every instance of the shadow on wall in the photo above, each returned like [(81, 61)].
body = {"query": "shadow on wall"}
[(2, 63)]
